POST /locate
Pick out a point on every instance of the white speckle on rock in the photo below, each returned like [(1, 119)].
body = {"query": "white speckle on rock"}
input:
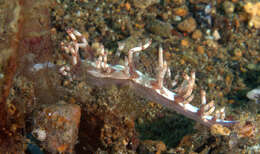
[(40, 134)]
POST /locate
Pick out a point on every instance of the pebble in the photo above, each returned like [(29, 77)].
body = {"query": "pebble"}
[(238, 53), (143, 4), (200, 49), (185, 43), (254, 94), (160, 28), (216, 35), (1, 75), (181, 11), (188, 25), (229, 7), (197, 34), (253, 67), (165, 16)]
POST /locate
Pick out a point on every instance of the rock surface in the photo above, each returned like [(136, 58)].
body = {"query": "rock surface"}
[(56, 126)]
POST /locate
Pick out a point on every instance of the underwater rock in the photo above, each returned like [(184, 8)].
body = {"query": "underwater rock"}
[(56, 126), (188, 25), (160, 28)]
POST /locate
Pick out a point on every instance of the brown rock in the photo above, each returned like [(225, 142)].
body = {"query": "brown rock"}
[(181, 11), (56, 126), (185, 43), (200, 49), (142, 4), (196, 35), (188, 25), (160, 28)]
